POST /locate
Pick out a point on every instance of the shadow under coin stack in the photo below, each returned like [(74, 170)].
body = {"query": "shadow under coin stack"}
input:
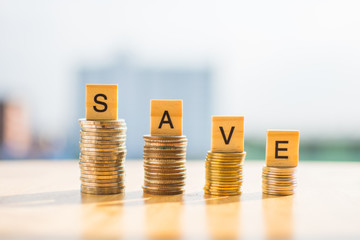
[(102, 156), (224, 173), (164, 164), (279, 180)]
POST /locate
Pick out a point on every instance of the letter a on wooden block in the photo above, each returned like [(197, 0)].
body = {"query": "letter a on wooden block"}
[(166, 118), (101, 102), (282, 148), (227, 134)]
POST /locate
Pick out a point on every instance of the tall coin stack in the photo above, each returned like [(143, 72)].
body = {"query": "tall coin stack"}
[(102, 156), (164, 164), (224, 173), (279, 180)]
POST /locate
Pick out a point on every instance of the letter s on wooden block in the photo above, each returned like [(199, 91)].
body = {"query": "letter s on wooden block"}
[(227, 134), (166, 118), (282, 148), (101, 102)]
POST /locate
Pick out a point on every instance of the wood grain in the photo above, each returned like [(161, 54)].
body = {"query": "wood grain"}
[(42, 200)]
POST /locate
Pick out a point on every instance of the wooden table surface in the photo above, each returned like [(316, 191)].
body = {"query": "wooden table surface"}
[(42, 200)]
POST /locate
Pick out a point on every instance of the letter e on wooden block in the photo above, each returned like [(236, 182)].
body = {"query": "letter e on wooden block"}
[(227, 134), (101, 102), (282, 148), (166, 118)]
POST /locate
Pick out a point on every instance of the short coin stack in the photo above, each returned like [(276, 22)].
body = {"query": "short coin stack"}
[(102, 156), (224, 173), (279, 180), (164, 164)]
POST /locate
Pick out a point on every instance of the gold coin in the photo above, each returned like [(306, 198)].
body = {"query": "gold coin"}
[(164, 168), (103, 134), (92, 176), (226, 154), (279, 170), (224, 157), (104, 146), (161, 154), (278, 193), (155, 186), (104, 130), (279, 178), (180, 178), (223, 165), (102, 164), (223, 190), (161, 138), (165, 174), (224, 169), (98, 173), (157, 192), (222, 194), (164, 151), (223, 175), (166, 144), (119, 162), (165, 181), (91, 149), (102, 138), (225, 160), (278, 188), (102, 126), (165, 164), (92, 184), (164, 187), (117, 156), (103, 154), (223, 179), (278, 182), (224, 186), (101, 122), (165, 161), (100, 169), (100, 142), (94, 180), (96, 190)]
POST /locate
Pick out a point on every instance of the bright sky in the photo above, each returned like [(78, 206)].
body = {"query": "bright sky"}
[(282, 64)]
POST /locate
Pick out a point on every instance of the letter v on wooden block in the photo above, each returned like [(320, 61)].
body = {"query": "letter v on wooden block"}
[(166, 118), (227, 134)]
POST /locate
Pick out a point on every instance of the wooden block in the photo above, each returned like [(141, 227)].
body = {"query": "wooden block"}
[(101, 102), (282, 148), (227, 134), (166, 118)]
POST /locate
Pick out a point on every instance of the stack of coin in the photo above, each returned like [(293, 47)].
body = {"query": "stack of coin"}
[(102, 156), (224, 173), (164, 164), (279, 180)]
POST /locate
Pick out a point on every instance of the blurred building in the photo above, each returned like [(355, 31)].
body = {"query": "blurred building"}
[(15, 130), (138, 84)]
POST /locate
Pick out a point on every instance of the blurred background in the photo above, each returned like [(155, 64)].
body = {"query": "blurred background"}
[(281, 64)]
